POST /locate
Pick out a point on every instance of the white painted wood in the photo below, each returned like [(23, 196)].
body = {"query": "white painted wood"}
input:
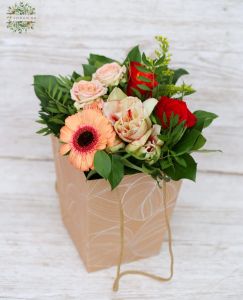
[(37, 258)]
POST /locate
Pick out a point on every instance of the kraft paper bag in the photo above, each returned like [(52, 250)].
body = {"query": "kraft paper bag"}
[(90, 212)]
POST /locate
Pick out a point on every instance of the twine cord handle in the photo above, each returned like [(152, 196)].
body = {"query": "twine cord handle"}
[(119, 274)]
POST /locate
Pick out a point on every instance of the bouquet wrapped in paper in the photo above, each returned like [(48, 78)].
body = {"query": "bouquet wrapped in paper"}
[(123, 136)]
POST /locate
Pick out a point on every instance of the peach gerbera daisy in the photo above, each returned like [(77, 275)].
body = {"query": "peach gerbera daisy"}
[(83, 134)]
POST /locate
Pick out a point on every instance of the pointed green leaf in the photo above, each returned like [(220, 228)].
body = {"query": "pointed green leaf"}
[(179, 172), (181, 161), (204, 118), (187, 142), (117, 171), (133, 55), (101, 59), (144, 87), (42, 130), (200, 142), (160, 60), (137, 93), (177, 74), (165, 163), (88, 69), (142, 69), (145, 60), (102, 163)]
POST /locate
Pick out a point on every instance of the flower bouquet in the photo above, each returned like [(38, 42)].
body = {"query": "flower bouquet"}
[(127, 124)]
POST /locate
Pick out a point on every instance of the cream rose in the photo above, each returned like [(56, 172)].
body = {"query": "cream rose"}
[(84, 92), (110, 74)]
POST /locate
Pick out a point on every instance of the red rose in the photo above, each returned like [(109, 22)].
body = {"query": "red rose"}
[(133, 81), (178, 107)]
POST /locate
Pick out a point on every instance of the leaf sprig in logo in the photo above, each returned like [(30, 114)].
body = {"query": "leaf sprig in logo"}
[(21, 17)]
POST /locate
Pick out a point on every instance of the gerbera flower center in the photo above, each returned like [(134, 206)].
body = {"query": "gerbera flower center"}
[(85, 139)]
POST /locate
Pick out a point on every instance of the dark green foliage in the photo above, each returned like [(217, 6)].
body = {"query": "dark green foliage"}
[(204, 118), (180, 170), (133, 55), (177, 74), (55, 101), (102, 164), (117, 171)]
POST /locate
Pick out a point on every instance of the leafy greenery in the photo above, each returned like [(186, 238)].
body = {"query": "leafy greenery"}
[(187, 142), (179, 142), (133, 55), (171, 90), (165, 76), (204, 118), (177, 74), (102, 164), (55, 102), (186, 170), (117, 171)]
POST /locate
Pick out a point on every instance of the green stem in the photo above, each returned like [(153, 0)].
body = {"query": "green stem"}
[(126, 156), (127, 163)]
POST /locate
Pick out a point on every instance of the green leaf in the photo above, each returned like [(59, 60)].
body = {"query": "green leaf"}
[(59, 96), (174, 120), (200, 142), (164, 163), (204, 118), (163, 137), (56, 120), (42, 130), (160, 60), (181, 161), (142, 69), (187, 141), (90, 174), (137, 93), (41, 83), (53, 110), (177, 133), (88, 69), (145, 79), (40, 121), (96, 58), (179, 172), (62, 109), (117, 171), (133, 55), (177, 74), (75, 76), (144, 87), (102, 163), (145, 60), (71, 110)]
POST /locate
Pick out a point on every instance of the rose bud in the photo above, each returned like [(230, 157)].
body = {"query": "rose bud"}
[(110, 74), (134, 80)]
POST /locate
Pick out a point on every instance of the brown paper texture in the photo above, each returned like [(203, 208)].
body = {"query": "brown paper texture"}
[(90, 212)]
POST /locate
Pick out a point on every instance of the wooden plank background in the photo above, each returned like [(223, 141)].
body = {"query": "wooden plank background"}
[(37, 259)]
